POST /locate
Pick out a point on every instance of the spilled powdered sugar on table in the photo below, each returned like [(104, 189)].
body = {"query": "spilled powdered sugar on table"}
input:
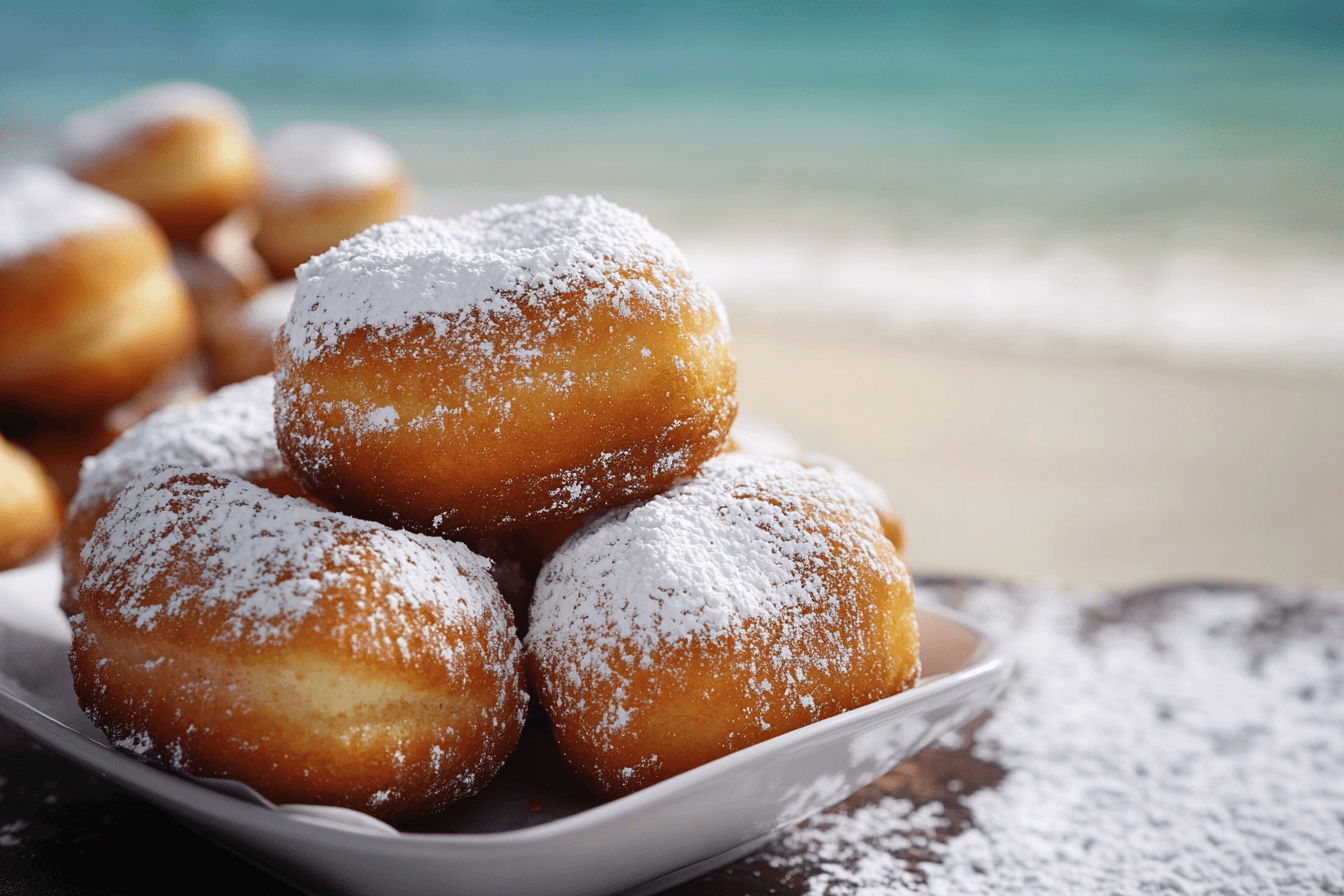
[(1183, 739)]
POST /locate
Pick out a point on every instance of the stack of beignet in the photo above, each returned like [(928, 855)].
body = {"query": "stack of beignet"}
[(503, 379)]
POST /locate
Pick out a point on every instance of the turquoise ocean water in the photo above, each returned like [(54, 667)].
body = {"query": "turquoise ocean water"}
[(1124, 176)]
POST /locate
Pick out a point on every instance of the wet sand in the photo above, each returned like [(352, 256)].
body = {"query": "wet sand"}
[(1087, 471)]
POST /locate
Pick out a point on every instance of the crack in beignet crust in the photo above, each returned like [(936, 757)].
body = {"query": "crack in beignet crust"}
[(228, 632), (515, 367), (749, 600)]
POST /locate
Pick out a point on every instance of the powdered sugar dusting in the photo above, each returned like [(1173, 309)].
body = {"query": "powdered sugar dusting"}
[(718, 548), (269, 560), (93, 135), (394, 276), (41, 205), (232, 431), (859, 484), (1189, 744), (770, 440), (306, 159)]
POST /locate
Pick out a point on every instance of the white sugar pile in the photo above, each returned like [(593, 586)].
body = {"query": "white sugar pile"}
[(1197, 749)]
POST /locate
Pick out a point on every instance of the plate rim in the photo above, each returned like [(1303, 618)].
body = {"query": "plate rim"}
[(988, 660)]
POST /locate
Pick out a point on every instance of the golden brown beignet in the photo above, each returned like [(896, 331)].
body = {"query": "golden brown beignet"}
[(749, 600), (515, 367), (183, 152), (228, 632), (91, 311), (324, 183)]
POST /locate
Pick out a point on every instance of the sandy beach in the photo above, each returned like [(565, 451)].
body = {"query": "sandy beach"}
[(1088, 471)]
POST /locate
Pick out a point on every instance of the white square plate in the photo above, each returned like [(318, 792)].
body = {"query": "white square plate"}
[(534, 830)]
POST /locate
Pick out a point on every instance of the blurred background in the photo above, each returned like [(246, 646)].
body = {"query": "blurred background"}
[(1067, 279)]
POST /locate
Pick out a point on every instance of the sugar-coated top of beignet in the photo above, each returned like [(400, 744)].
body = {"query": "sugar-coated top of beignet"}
[(738, 540), (250, 571), (761, 438), (307, 159), (232, 431), (91, 136), (393, 277), (41, 205)]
